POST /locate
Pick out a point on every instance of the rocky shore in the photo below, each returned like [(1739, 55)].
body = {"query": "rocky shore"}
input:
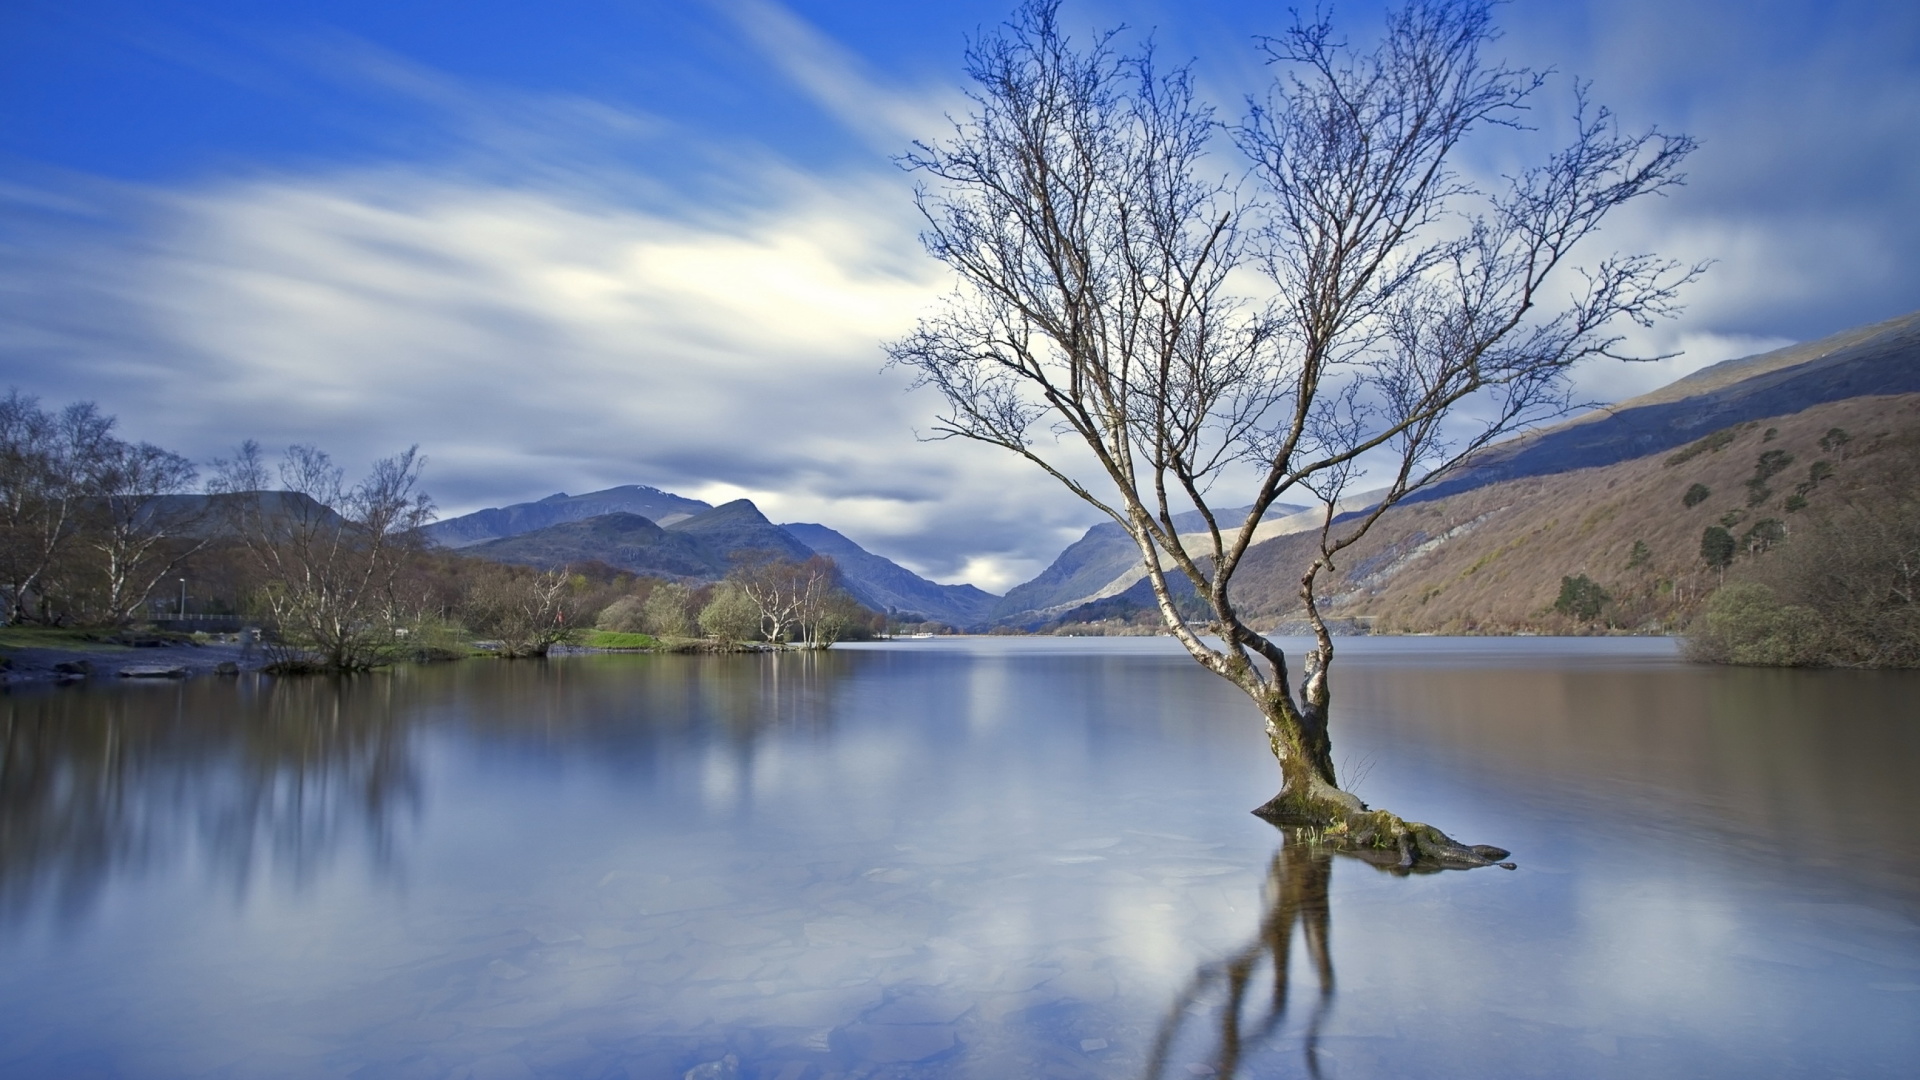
[(163, 658)]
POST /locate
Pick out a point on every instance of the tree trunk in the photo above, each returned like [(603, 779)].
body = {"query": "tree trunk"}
[(1309, 793)]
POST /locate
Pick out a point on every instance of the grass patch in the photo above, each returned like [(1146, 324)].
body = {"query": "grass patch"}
[(611, 639), (48, 637)]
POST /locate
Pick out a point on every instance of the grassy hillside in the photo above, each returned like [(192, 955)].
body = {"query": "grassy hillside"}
[(1492, 560)]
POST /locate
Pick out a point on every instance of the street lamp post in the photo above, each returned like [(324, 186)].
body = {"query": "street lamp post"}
[(183, 598)]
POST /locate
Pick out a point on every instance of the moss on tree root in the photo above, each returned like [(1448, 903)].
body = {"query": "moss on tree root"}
[(1343, 823)]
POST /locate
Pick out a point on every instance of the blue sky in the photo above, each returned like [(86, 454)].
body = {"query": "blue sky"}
[(567, 246)]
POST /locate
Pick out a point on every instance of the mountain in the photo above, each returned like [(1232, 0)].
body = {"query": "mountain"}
[(659, 507), (1491, 559), (1879, 359), (738, 527), (1104, 563), (704, 546), (623, 540), (206, 516), (893, 587)]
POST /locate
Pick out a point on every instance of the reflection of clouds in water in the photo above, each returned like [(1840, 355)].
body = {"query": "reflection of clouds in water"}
[(1668, 953), (641, 863)]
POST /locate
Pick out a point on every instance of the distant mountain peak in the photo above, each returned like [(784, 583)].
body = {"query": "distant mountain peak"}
[(661, 507)]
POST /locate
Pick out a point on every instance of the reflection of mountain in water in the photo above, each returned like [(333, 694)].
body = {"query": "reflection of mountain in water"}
[(268, 776)]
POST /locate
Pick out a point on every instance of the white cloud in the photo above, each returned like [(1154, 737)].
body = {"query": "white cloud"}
[(566, 293), (532, 341)]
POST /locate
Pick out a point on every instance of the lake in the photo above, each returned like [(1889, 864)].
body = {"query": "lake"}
[(975, 857)]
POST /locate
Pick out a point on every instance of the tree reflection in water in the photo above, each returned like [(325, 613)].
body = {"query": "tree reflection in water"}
[(278, 776), (269, 776), (1294, 896)]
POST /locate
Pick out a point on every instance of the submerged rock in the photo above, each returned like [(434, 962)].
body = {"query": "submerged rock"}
[(727, 1068), (154, 671)]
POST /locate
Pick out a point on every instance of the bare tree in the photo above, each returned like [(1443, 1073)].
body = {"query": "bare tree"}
[(331, 554), (139, 526), (47, 461), (1096, 332), (528, 611)]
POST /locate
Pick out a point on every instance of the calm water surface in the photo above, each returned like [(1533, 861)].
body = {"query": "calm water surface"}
[(985, 858)]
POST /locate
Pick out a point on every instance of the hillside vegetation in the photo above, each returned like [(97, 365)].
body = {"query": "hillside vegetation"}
[(1616, 548)]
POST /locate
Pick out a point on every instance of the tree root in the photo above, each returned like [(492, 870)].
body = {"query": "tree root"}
[(1386, 840)]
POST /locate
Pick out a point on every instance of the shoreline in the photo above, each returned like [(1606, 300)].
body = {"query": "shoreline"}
[(30, 665)]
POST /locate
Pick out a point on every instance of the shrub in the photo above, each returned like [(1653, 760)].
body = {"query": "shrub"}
[(1765, 534), (1745, 623), (666, 612), (1581, 598), (1715, 442), (1771, 463), (1696, 495), (624, 616), (731, 616), (1641, 555)]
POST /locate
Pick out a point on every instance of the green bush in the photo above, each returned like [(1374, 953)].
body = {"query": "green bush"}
[(667, 613), (1696, 495), (1745, 623), (625, 615), (731, 616), (1581, 598), (1764, 535), (1771, 463)]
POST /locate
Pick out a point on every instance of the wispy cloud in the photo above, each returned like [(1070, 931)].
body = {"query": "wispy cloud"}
[(836, 78)]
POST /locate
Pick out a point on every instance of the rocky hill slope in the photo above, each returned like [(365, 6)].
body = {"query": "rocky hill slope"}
[(1492, 559)]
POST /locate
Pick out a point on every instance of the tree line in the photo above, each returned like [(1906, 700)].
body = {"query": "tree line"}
[(337, 575)]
